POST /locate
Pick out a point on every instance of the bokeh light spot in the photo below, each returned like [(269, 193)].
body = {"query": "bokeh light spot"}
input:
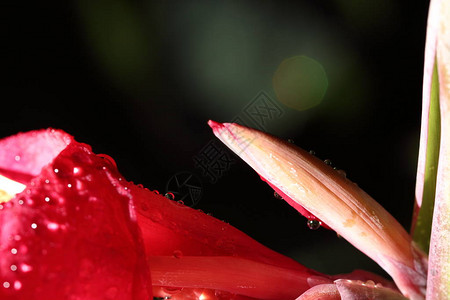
[(300, 82)]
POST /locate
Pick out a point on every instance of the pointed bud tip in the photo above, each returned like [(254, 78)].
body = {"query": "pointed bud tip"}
[(214, 124)]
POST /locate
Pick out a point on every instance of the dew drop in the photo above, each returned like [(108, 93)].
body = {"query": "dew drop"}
[(47, 199), (69, 185), (313, 224), (13, 250), (33, 225), (277, 196), (111, 293), (6, 284), (328, 162), (76, 170), (140, 186), (291, 141), (169, 196), (108, 159), (26, 268), (370, 283), (17, 285), (177, 254), (312, 152), (52, 226), (17, 158), (171, 290), (56, 170), (13, 268), (144, 206), (342, 173), (47, 181), (20, 202), (181, 202)]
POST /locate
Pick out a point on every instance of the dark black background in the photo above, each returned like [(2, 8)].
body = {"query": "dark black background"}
[(153, 126)]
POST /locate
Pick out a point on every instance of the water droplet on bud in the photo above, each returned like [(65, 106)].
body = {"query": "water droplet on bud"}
[(342, 173), (328, 162), (277, 196), (313, 224)]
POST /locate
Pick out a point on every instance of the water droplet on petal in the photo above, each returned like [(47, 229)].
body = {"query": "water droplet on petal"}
[(17, 158), (52, 226), (6, 284), (111, 293), (291, 141), (47, 199), (33, 225), (313, 224), (277, 196), (20, 202), (370, 283), (177, 254), (13, 268), (108, 159), (17, 285), (13, 250), (76, 170), (171, 290), (56, 170), (144, 206), (169, 196), (312, 152), (26, 268)]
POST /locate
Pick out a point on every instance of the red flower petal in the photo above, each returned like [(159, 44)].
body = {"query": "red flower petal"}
[(72, 234), (232, 274), (168, 226)]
